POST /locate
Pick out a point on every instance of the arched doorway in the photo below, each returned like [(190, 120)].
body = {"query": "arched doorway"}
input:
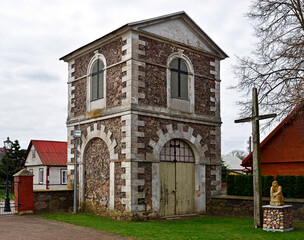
[(96, 175), (177, 181)]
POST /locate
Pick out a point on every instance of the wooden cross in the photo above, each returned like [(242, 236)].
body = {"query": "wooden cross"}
[(175, 146), (257, 183)]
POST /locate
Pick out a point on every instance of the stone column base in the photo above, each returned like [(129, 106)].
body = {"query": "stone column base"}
[(277, 218)]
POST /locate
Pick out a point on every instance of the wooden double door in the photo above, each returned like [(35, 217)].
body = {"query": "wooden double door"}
[(177, 188)]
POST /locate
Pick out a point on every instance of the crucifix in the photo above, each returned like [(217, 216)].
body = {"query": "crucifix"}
[(257, 183), (175, 146)]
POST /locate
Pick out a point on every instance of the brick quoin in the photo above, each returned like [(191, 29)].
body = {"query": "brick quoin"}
[(24, 196)]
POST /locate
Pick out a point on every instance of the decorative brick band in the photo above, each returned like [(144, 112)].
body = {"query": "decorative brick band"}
[(199, 150), (216, 72), (71, 88), (131, 133), (216, 140), (131, 188), (134, 70)]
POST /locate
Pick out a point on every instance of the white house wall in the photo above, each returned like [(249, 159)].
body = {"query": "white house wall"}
[(55, 178)]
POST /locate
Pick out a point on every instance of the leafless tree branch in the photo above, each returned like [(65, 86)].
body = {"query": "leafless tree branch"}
[(276, 66)]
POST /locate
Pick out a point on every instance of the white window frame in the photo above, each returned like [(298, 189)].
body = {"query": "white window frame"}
[(64, 171), (41, 176), (182, 105), (101, 102), (33, 153)]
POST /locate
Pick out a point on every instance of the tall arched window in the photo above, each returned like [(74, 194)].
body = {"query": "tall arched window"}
[(97, 80), (179, 79)]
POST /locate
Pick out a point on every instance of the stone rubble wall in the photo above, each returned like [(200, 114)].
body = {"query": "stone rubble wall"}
[(78, 76), (52, 201), (277, 218), (240, 206), (136, 77), (156, 54)]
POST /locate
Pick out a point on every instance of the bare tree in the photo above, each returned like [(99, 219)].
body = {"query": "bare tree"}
[(276, 66), (238, 153)]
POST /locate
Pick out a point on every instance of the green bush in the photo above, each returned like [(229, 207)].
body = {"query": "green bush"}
[(266, 185), (299, 187), (293, 186), (242, 185), (239, 185), (230, 185)]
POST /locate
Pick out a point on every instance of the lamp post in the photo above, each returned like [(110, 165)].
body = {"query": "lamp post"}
[(76, 135), (8, 146)]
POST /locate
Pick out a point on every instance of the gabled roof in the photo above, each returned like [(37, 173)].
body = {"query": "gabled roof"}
[(232, 162), (248, 160), (51, 153), (142, 25)]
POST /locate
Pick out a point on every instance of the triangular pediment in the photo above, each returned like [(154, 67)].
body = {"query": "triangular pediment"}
[(179, 28)]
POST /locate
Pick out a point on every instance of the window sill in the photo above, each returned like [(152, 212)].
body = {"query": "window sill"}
[(180, 104)]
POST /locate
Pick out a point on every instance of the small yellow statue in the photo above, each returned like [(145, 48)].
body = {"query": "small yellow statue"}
[(276, 195)]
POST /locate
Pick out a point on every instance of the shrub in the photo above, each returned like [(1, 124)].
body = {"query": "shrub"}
[(266, 185), (242, 185)]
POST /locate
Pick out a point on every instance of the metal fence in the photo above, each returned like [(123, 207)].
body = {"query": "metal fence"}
[(7, 206)]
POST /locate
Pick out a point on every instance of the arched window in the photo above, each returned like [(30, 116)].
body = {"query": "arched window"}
[(179, 79), (180, 83), (176, 150), (97, 80)]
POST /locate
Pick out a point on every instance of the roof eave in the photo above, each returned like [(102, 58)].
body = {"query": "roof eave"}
[(293, 113), (96, 42)]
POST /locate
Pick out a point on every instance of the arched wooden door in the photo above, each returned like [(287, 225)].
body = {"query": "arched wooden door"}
[(176, 178)]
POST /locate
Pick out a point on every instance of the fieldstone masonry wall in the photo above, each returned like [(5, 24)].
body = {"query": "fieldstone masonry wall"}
[(277, 218), (50, 201), (121, 142), (240, 206)]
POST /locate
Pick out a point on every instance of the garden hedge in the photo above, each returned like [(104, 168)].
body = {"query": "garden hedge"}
[(242, 185)]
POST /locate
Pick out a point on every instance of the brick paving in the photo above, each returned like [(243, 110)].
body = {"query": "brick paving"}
[(34, 227)]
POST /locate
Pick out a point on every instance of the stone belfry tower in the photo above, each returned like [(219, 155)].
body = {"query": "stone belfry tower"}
[(147, 99)]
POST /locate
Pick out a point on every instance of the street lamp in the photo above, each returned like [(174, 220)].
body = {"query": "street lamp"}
[(76, 135), (8, 146)]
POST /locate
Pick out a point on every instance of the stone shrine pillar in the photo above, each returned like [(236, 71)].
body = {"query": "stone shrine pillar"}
[(278, 218), (24, 196)]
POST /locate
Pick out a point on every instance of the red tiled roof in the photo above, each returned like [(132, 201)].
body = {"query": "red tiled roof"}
[(51, 153), (248, 160)]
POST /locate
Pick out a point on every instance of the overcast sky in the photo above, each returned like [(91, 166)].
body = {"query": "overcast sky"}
[(35, 34)]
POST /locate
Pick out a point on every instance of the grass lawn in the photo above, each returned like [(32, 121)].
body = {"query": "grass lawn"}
[(204, 227)]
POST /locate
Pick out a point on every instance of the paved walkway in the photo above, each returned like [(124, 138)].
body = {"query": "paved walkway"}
[(34, 227)]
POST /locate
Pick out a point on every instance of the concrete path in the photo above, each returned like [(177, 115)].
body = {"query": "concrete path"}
[(34, 227)]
